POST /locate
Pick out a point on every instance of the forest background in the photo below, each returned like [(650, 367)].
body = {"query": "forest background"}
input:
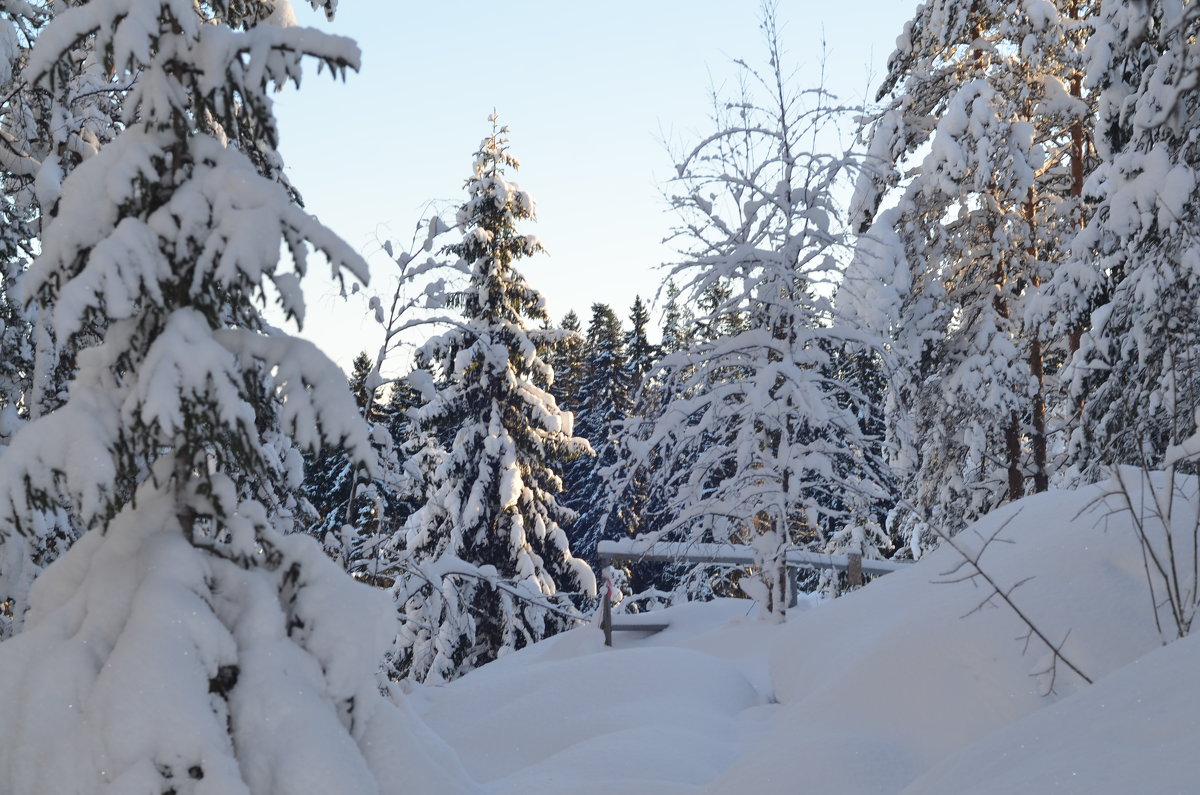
[(618, 88)]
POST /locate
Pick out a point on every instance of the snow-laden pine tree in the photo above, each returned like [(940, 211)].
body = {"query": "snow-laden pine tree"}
[(60, 127), (331, 475), (565, 356), (1135, 380), (640, 394), (188, 643), (18, 167), (756, 442), (356, 510), (677, 329), (490, 566), (640, 353), (677, 321), (640, 358), (45, 135), (604, 401), (977, 160)]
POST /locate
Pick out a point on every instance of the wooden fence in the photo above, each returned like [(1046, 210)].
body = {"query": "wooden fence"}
[(635, 551)]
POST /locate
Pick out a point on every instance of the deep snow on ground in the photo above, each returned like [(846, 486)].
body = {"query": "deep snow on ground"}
[(899, 687)]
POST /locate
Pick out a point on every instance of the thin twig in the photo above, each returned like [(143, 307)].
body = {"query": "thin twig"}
[(973, 561)]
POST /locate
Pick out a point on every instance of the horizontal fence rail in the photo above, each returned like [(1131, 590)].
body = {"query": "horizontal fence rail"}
[(633, 550)]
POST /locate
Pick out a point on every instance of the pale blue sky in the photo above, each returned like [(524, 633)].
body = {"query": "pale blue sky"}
[(591, 91)]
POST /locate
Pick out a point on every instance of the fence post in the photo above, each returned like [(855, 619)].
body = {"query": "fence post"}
[(606, 612), (854, 574)]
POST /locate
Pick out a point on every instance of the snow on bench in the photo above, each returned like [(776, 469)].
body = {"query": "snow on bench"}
[(632, 550)]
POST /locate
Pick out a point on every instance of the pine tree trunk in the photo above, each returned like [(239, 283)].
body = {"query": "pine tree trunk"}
[(1078, 155), (1037, 368), (1041, 475), (1012, 433), (1012, 440)]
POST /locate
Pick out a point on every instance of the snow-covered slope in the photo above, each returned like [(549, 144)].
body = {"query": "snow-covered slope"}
[(1134, 731), (899, 687)]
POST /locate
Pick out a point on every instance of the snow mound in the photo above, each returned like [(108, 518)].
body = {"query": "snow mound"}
[(916, 683), (146, 659), (1134, 731), (556, 719)]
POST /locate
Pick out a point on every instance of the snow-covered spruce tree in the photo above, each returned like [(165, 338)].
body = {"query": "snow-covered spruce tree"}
[(60, 127), (373, 539), (356, 510), (628, 504), (374, 546), (17, 563), (978, 156), (329, 476), (604, 401), (44, 136), (859, 367), (677, 330), (564, 353), (640, 357), (677, 321), (757, 443), (640, 353), (364, 513), (18, 167), (490, 565), (1135, 379), (187, 643)]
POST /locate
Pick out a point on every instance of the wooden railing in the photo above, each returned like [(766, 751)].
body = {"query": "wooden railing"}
[(636, 551)]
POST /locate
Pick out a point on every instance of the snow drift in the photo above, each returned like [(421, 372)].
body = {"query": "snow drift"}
[(917, 683)]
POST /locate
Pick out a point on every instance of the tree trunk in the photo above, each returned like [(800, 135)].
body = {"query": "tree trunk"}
[(1041, 475), (1037, 367), (1012, 440), (1078, 158)]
